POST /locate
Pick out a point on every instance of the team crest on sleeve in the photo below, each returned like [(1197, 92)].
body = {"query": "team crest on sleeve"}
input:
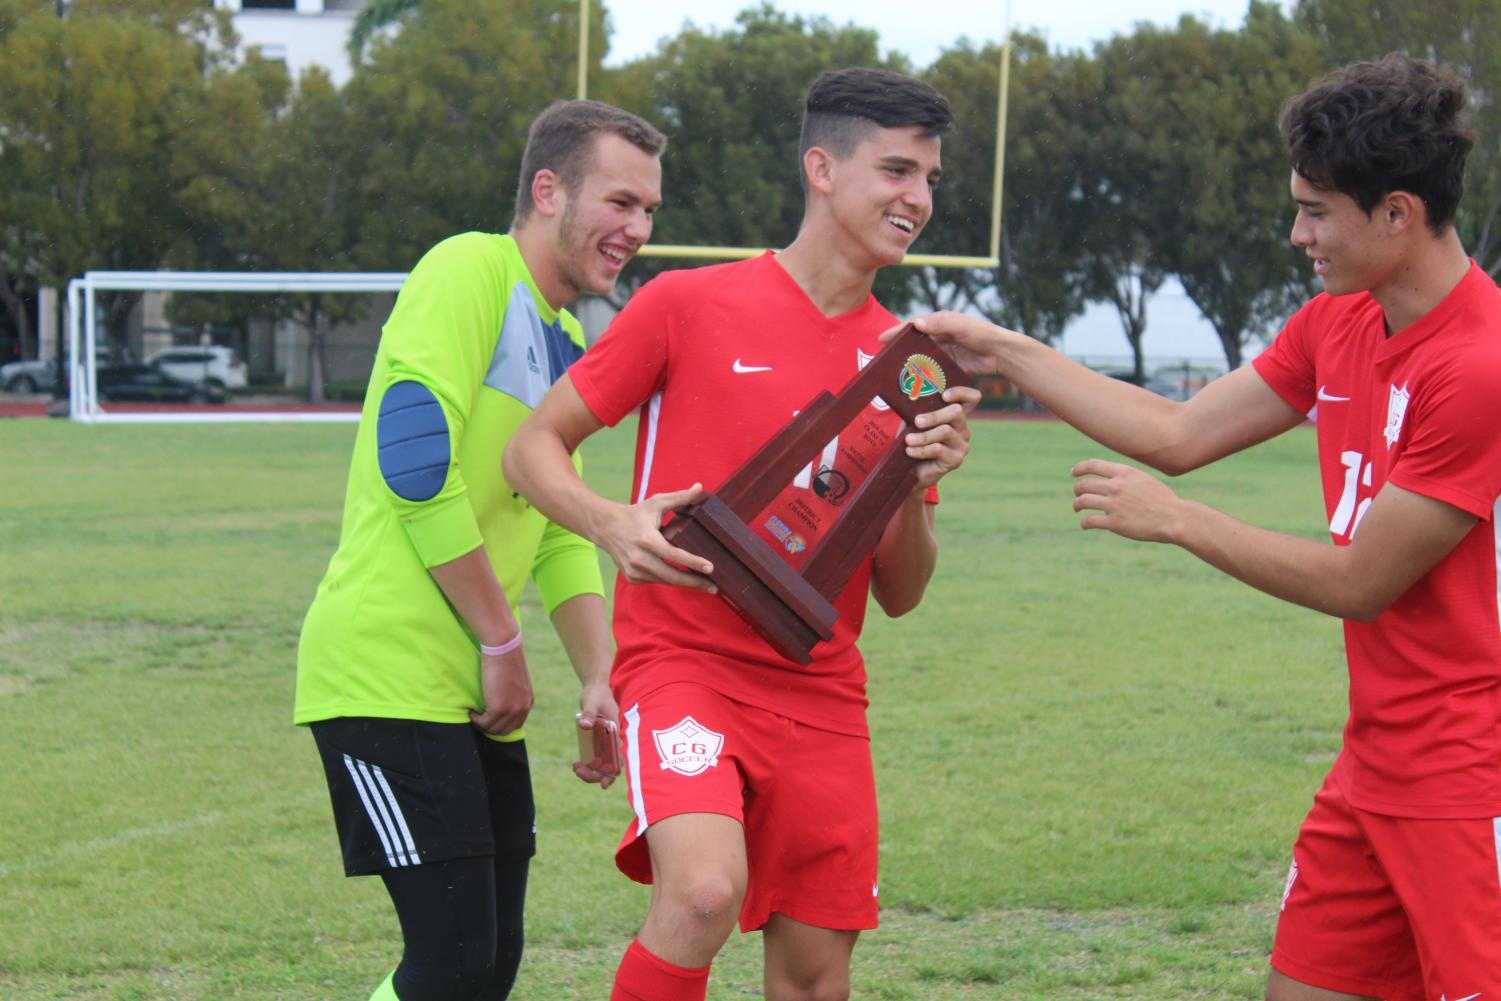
[(1396, 410), (689, 747)]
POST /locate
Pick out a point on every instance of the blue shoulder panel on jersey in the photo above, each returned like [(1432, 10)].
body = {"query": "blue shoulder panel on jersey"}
[(411, 440), (561, 351)]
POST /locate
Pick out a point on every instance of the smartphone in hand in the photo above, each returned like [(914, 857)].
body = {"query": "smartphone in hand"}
[(599, 746)]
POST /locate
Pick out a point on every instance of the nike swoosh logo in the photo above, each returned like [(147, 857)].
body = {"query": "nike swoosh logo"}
[(1326, 398), (1472, 997), (750, 368)]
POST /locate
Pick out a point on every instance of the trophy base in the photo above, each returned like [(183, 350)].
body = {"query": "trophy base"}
[(783, 608)]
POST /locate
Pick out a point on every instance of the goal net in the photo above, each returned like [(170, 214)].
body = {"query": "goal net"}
[(86, 402)]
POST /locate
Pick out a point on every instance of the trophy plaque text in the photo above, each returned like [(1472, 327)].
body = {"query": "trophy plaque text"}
[(856, 472)]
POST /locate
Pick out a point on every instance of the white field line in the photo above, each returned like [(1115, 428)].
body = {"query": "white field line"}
[(85, 849)]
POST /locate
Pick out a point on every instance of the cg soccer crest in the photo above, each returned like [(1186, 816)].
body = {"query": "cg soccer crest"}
[(689, 747)]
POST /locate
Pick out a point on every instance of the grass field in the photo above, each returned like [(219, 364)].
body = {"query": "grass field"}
[(1092, 754)]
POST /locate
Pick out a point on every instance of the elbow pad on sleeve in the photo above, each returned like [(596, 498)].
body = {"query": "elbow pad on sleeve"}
[(412, 444)]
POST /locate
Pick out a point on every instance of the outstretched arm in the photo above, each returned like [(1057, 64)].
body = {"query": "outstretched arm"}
[(1230, 414), (1402, 536), (537, 463)]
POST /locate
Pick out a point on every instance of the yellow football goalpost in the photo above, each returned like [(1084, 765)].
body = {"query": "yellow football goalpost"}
[(913, 260)]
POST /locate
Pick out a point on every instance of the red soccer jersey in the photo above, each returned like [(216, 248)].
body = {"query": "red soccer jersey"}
[(719, 359), (1422, 410)]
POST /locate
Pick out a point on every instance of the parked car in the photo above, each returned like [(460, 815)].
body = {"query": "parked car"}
[(37, 376), (210, 365), (149, 384), (27, 376)]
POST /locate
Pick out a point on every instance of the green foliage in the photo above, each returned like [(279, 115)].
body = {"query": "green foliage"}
[(266, 189), (220, 166), (130, 138), (89, 115), (440, 113), (1203, 105), (375, 16), (1092, 754), (87, 105), (1037, 287), (731, 103), (1121, 257)]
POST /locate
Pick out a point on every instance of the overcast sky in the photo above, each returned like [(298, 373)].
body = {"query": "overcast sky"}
[(921, 28)]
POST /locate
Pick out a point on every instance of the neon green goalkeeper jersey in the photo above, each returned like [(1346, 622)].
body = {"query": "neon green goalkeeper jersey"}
[(468, 351)]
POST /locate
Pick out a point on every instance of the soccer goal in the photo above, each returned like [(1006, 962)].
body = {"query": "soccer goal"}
[(83, 375)]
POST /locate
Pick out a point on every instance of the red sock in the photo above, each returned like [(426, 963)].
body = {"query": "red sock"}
[(644, 977)]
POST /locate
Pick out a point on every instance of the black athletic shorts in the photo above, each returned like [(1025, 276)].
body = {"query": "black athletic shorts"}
[(406, 792)]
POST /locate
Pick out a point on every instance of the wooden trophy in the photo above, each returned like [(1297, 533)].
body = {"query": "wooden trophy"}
[(793, 610)]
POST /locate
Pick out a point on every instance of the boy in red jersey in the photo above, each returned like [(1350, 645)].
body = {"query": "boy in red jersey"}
[(1394, 890), (750, 776)]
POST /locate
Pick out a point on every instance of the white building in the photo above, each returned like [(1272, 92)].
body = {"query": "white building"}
[(299, 33)]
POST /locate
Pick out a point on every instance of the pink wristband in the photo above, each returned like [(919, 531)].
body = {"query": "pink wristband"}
[(504, 648)]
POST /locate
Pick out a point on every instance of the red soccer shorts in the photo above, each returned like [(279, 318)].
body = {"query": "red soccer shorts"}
[(806, 799), (1400, 908)]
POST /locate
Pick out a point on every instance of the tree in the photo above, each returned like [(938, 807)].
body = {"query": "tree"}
[(1037, 287), (1120, 261), (375, 17), (313, 225), (1205, 104), (441, 111), (273, 196), (1462, 34), (731, 104), (425, 141), (87, 123)]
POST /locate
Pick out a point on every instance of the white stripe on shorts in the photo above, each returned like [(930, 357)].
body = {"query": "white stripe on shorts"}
[(384, 812), (633, 761), (376, 820), (401, 820)]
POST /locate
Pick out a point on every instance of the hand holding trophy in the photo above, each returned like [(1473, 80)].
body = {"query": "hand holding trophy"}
[(860, 486)]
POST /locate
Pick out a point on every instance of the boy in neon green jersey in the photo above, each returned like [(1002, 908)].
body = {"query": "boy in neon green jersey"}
[(411, 672)]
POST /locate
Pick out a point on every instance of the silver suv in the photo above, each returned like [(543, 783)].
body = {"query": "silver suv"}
[(37, 376), (210, 366), (27, 376)]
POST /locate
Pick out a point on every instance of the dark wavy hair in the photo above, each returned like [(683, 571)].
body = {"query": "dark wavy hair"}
[(843, 107), (1377, 127)]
